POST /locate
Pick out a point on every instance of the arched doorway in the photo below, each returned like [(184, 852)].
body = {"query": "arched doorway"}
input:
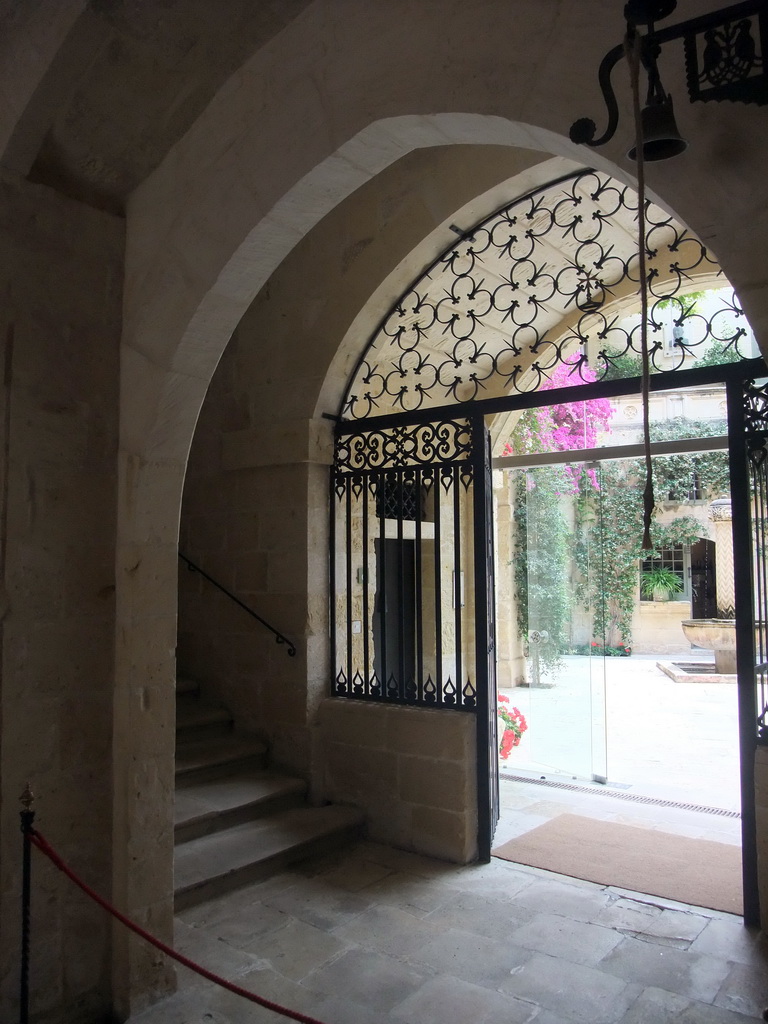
[(535, 293)]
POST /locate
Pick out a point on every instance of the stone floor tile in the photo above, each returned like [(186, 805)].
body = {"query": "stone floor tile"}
[(268, 984), (470, 957), (238, 930), (703, 1013), (448, 1000), (666, 927), (680, 971), (211, 953), (342, 1011), (744, 991), (498, 880), (728, 939), (661, 902), (516, 800), (582, 901), (318, 905), (354, 874), (654, 1006), (548, 1017), (388, 930), (182, 1008), (409, 892), (374, 980), (411, 863), (574, 991), (549, 808), (296, 949), (481, 915), (577, 941), (379, 964)]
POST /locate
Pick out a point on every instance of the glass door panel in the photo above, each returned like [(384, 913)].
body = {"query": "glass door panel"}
[(561, 644)]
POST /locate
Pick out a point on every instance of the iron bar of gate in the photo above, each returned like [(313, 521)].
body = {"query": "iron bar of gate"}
[(419, 617), (400, 508), (759, 499), (457, 582), (381, 582), (27, 822), (279, 638), (332, 612), (350, 664), (745, 640), (366, 560), (762, 565), (438, 589), (486, 770)]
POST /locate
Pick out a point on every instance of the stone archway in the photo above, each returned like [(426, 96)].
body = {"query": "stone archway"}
[(340, 72), (193, 265), (156, 435)]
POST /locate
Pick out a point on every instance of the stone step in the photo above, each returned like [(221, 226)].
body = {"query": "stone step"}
[(213, 757), (218, 863), (200, 718), (212, 805)]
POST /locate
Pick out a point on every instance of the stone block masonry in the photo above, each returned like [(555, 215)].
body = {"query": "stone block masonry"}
[(411, 770)]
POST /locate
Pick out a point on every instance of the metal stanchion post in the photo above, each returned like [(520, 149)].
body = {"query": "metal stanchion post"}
[(27, 818)]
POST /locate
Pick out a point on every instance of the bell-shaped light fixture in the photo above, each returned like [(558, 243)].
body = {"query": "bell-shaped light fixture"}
[(660, 134)]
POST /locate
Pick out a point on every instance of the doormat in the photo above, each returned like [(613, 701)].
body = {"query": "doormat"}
[(696, 871)]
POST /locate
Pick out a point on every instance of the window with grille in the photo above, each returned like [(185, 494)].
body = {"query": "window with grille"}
[(676, 558)]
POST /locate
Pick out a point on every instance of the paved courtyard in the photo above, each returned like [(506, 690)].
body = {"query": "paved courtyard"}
[(663, 739)]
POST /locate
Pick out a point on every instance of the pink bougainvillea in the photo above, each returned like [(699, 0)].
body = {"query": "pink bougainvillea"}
[(567, 426)]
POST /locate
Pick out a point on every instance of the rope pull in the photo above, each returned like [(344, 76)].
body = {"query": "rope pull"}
[(632, 49)]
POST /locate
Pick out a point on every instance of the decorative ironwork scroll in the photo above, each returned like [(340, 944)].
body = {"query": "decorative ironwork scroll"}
[(403, 565), (549, 279), (442, 441), (756, 428), (725, 60)]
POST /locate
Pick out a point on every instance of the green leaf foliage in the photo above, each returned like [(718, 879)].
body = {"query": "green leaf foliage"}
[(593, 554)]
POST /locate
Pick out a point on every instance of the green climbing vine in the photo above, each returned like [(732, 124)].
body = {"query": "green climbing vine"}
[(590, 546)]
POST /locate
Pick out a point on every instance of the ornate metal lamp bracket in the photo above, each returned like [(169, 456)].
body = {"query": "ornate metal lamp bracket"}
[(724, 57)]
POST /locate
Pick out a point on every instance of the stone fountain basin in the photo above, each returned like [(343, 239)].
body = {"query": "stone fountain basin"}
[(712, 634)]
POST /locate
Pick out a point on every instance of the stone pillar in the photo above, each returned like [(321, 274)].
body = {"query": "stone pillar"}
[(720, 514)]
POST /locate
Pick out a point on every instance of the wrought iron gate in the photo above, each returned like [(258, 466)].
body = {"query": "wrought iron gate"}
[(412, 575), (535, 297), (748, 433)]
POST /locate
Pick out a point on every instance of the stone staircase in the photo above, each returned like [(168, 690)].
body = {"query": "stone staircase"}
[(235, 820)]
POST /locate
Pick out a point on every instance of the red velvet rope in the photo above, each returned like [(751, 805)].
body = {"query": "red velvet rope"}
[(44, 846)]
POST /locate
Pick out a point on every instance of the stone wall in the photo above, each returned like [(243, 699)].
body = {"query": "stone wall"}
[(656, 627), (255, 505), (61, 281), (255, 519), (411, 770)]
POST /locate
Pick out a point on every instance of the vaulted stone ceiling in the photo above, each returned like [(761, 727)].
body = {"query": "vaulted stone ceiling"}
[(131, 78)]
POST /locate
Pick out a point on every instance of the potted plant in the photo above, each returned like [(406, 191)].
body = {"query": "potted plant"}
[(512, 725), (660, 583)]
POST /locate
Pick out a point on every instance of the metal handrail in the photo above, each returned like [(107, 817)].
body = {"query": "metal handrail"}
[(278, 636)]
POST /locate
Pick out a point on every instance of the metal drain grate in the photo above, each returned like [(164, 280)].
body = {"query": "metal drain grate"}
[(633, 797)]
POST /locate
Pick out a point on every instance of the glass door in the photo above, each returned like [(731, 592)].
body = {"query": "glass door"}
[(561, 635)]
